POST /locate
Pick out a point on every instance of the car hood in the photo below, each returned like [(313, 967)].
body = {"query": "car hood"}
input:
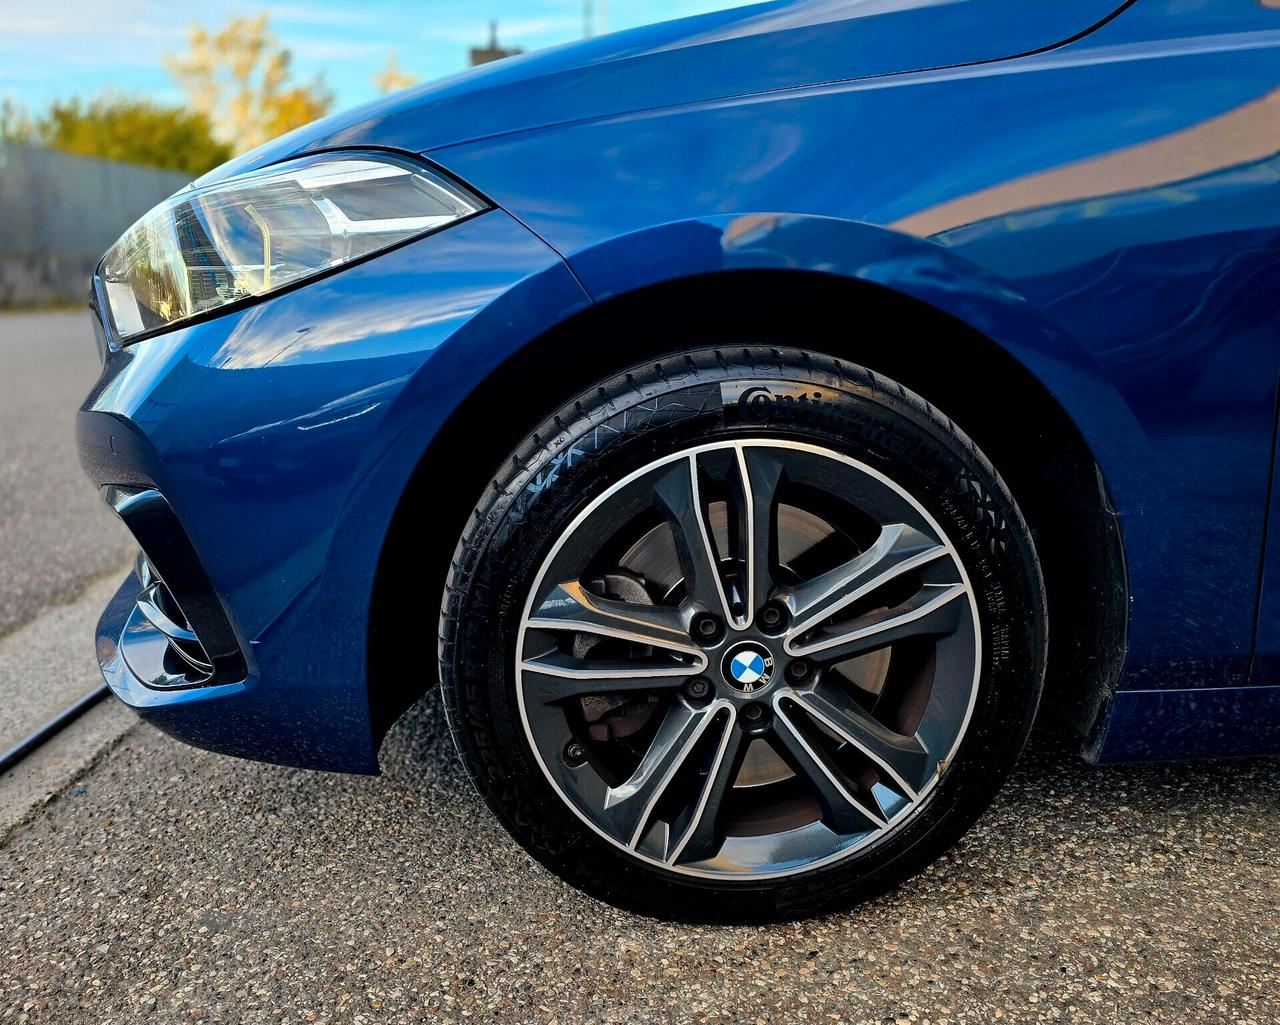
[(769, 46)]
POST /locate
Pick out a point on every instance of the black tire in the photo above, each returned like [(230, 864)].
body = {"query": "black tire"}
[(690, 399)]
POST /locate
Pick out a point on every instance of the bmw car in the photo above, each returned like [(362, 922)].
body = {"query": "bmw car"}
[(750, 423)]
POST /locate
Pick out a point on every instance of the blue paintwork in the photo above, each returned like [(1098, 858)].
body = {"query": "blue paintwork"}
[(278, 437), (1106, 210), (777, 45), (1174, 725)]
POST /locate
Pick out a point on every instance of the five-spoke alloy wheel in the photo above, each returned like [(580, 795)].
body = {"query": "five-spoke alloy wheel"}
[(714, 657)]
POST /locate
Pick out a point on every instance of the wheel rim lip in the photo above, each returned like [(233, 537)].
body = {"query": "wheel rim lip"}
[(895, 824)]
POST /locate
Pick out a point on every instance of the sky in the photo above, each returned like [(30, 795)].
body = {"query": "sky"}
[(63, 48)]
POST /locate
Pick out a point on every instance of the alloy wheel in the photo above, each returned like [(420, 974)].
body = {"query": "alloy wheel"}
[(748, 659)]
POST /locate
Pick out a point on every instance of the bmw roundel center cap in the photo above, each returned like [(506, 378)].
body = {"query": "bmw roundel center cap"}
[(748, 666)]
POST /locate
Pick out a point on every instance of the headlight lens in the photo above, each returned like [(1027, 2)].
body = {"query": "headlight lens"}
[(203, 249)]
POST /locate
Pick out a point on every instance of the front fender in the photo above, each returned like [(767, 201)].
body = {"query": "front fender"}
[(489, 326), (907, 265)]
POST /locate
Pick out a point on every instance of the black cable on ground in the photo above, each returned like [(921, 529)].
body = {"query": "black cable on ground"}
[(51, 729)]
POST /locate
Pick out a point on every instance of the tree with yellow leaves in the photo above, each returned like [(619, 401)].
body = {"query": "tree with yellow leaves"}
[(392, 78), (241, 79)]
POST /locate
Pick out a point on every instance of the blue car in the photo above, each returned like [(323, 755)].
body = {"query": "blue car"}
[(748, 421)]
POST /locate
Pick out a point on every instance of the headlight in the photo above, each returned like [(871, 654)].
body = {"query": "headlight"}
[(203, 249)]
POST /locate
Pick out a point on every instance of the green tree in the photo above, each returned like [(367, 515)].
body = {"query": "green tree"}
[(15, 125), (133, 130), (241, 78)]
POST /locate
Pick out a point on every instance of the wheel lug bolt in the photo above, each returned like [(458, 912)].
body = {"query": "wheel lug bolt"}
[(798, 670), (574, 754), (753, 713), (706, 628), (773, 616), (697, 689)]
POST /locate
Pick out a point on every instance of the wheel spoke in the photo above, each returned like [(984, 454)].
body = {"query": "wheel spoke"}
[(842, 811), (628, 806), (570, 606), (931, 611), (677, 496), (899, 549), (697, 838), (903, 758), (556, 676), (761, 471)]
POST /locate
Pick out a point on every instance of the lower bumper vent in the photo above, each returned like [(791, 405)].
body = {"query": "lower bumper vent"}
[(157, 605), (178, 634)]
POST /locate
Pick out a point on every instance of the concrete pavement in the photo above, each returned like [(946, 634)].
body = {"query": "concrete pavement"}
[(49, 663)]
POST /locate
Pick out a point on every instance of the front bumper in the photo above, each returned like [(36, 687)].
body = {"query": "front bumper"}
[(280, 439)]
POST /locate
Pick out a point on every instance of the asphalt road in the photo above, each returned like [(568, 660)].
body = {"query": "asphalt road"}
[(54, 534), (56, 538), (164, 884)]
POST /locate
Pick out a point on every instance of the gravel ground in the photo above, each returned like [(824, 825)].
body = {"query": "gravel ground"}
[(54, 533), (173, 885)]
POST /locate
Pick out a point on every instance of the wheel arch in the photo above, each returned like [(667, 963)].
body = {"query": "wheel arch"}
[(764, 293)]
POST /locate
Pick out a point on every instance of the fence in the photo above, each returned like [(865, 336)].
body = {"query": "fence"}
[(59, 212)]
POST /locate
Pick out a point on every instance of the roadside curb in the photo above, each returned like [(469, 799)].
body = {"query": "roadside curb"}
[(51, 770), (46, 667)]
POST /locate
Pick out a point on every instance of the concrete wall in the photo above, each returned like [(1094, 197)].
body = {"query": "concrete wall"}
[(58, 214)]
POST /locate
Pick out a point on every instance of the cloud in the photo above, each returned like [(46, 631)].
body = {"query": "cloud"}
[(150, 30), (86, 33), (335, 49), (82, 18), (561, 25), (303, 14), (29, 26), (512, 30)]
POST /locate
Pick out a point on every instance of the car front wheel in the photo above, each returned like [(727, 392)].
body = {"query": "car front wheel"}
[(742, 634)]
